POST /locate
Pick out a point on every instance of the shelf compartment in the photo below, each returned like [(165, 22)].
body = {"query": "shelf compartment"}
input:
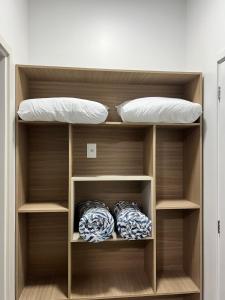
[(109, 87), (178, 166), (43, 164), (111, 191), (175, 282), (176, 204), (120, 151), (115, 238), (43, 256), (178, 251), (45, 289), (43, 207), (104, 271)]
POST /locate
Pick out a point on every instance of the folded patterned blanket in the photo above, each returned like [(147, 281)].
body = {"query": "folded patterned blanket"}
[(96, 222), (132, 224)]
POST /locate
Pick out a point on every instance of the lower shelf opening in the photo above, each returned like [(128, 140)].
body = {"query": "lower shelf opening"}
[(112, 270), (178, 251), (45, 289), (175, 282), (43, 259)]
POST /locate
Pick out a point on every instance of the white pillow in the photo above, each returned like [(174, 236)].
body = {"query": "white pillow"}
[(159, 110), (71, 110)]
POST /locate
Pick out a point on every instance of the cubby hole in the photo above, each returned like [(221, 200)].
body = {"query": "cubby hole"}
[(178, 251), (178, 165), (42, 259), (109, 87), (43, 168), (120, 151), (112, 270), (110, 192)]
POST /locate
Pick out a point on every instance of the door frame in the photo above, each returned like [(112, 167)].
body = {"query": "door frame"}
[(9, 177), (220, 60)]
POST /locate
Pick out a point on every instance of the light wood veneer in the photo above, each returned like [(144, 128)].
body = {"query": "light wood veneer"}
[(157, 165)]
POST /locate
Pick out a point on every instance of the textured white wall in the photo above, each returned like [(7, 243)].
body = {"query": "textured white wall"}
[(205, 40), (13, 31), (128, 34), (14, 27)]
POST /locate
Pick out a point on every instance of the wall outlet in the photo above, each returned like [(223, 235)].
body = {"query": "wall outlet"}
[(91, 151)]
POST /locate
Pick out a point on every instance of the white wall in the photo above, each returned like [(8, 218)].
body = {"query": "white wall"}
[(14, 27), (128, 34), (14, 34), (205, 39)]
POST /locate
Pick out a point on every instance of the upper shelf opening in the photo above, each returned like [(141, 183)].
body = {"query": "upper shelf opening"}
[(106, 75), (109, 87)]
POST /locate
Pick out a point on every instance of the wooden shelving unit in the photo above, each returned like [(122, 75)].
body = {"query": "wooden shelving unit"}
[(157, 165)]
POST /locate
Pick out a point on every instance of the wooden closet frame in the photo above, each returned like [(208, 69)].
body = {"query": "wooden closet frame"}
[(157, 165)]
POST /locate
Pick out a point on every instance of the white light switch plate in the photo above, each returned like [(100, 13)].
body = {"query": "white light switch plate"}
[(91, 151)]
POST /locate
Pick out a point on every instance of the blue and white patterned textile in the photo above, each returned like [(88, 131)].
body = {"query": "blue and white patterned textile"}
[(132, 224), (96, 222)]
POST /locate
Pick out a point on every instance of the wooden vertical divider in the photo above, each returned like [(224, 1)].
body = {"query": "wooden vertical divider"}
[(69, 212)]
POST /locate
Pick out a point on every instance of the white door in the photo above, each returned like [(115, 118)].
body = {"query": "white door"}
[(221, 178), (2, 174)]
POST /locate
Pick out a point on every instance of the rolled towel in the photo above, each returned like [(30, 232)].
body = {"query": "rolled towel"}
[(132, 224), (96, 222)]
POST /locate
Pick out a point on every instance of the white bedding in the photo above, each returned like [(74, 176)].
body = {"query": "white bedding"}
[(159, 110), (71, 110)]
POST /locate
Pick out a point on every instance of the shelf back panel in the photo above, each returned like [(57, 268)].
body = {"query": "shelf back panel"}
[(120, 151)]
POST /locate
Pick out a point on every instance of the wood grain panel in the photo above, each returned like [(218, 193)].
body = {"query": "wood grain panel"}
[(116, 285), (108, 94), (106, 75), (193, 165), (48, 163), (176, 204), (45, 289), (104, 270), (43, 207), (119, 151), (175, 283), (192, 244), (170, 241), (169, 164), (21, 252), (102, 258), (47, 245)]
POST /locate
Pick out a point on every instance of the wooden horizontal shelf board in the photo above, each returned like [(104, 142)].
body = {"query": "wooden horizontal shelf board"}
[(112, 178), (45, 289), (176, 204), (115, 124), (111, 286), (43, 207), (104, 76), (169, 283), (114, 238)]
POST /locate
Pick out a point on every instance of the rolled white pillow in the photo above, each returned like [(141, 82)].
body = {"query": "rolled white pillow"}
[(63, 109), (159, 110)]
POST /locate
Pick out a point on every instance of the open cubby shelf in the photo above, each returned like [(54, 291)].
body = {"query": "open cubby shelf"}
[(157, 165)]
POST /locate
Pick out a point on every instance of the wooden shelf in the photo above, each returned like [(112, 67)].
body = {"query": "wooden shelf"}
[(114, 238), (45, 289), (111, 285), (43, 207), (176, 204), (112, 178), (136, 162), (114, 124), (169, 283)]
